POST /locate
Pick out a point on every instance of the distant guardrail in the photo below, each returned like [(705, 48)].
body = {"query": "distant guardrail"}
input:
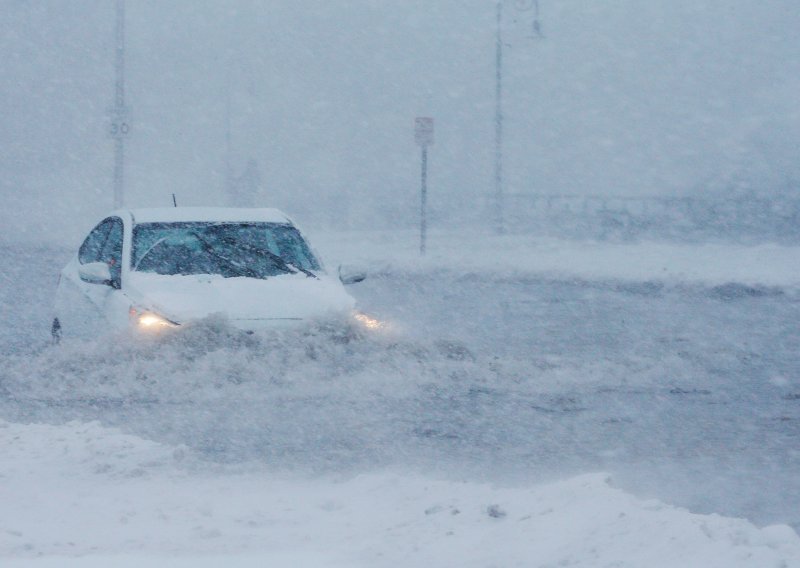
[(617, 217)]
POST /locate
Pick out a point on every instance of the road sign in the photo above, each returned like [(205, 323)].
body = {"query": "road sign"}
[(423, 131), (119, 129), (120, 122)]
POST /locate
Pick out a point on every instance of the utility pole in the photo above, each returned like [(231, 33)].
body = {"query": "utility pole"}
[(423, 221), (423, 135), (119, 113), (521, 5), (499, 225), (229, 181)]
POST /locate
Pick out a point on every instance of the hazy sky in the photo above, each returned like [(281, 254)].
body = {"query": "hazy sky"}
[(626, 97)]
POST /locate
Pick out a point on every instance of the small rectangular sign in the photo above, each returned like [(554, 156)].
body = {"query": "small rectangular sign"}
[(423, 131)]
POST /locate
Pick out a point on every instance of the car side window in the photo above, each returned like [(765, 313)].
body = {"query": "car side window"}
[(93, 245), (112, 251)]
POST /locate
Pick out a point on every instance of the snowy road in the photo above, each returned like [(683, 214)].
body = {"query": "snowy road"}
[(685, 392)]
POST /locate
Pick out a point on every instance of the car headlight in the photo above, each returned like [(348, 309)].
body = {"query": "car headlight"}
[(149, 320), (368, 322)]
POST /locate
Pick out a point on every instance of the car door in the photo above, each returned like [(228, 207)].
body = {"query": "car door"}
[(102, 295), (80, 304), (111, 303)]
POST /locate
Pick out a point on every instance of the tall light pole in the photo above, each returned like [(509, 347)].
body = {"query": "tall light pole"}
[(499, 225), (521, 5), (229, 182), (119, 112), (423, 136)]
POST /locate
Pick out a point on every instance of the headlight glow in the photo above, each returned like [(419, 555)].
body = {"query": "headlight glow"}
[(368, 321), (149, 320)]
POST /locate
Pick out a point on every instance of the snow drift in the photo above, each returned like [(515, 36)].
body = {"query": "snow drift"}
[(80, 495)]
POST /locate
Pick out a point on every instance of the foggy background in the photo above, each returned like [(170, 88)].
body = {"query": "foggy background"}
[(515, 359), (623, 98)]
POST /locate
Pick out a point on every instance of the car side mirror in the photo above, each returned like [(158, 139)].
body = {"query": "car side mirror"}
[(95, 273), (351, 275)]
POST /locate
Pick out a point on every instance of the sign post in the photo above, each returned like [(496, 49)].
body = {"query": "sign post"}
[(120, 121), (423, 136)]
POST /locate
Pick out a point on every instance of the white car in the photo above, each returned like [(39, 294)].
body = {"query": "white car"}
[(150, 269)]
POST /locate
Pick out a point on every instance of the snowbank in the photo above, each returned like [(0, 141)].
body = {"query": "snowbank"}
[(767, 264), (80, 496)]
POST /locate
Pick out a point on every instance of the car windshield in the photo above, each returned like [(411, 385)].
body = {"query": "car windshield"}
[(255, 250)]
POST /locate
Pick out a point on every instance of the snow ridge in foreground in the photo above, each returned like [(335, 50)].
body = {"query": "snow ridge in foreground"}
[(81, 495)]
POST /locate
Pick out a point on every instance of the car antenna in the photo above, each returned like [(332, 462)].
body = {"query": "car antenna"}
[(174, 201)]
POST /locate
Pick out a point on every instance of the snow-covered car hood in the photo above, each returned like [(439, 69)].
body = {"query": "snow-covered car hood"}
[(247, 302)]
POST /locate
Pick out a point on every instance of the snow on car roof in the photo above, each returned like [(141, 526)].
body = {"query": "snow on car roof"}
[(220, 214)]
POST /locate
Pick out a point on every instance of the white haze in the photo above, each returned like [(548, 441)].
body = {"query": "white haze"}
[(600, 385), (662, 97)]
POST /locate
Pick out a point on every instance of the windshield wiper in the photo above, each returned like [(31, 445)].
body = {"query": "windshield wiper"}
[(239, 268), (305, 271), (280, 262)]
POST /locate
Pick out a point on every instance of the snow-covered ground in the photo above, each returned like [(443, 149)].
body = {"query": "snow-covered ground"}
[(91, 496), (582, 404), (520, 254)]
